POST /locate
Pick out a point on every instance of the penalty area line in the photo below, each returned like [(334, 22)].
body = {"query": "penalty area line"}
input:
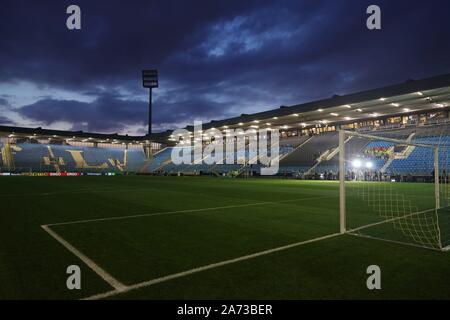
[(392, 241), (184, 211), (204, 268), (119, 287), (113, 282)]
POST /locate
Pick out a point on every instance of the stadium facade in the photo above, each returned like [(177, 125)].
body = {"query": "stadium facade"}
[(416, 110)]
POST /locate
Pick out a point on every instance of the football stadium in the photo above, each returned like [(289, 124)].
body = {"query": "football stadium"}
[(362, 180)]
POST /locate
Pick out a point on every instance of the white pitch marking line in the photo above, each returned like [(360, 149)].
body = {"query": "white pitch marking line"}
[(182, 211), (116, 284), (206, 267), (393, 241), (389, 220), (120, 287)]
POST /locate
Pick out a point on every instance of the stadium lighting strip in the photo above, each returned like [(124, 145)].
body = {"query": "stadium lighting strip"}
[(120, 287), (74, 139), (334, 114), (405, 100), (395, 101)]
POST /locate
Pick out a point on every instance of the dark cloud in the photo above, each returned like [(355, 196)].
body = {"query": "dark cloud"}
[(216, 58), (106, 113), (4, 120), (117, 40)]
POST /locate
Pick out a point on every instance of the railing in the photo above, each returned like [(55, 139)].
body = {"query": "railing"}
[(412, 124)]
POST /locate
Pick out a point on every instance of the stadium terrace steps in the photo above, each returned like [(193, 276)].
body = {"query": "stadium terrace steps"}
[(310, 151), (386, 165), (158, 159), (353, 147)]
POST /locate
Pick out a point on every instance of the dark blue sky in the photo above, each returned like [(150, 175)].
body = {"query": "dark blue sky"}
[(216, 58)]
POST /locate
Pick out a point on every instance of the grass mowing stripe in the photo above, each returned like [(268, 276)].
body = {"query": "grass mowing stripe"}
[(78, 191), (184, 211), (116, 284), (207, 267)]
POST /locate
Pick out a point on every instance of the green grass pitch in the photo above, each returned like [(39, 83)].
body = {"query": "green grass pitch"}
[(168, 225)]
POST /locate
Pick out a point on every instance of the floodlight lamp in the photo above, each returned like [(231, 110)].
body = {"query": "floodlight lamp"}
[(356, 163), (150, 78)]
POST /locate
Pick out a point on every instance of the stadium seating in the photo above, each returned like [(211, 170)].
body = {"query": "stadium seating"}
[(312, 155), (421, 160), (49, 157)]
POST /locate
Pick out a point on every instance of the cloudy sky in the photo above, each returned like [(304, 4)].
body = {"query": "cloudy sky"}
[(216, 58)]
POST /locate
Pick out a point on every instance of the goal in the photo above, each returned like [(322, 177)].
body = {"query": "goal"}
[(394, 186)]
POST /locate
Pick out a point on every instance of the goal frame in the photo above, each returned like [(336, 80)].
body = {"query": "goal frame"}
[(343, 134)]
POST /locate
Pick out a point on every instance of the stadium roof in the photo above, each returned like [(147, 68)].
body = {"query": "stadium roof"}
[(404, 98), (39, 133), (410, 96)]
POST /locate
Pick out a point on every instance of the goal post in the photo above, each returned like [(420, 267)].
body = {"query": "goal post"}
[(342, 216), (394, 187)]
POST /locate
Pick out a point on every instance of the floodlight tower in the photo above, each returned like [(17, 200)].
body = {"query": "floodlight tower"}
[(150, 80)]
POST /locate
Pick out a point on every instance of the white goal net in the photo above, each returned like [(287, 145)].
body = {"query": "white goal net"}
[(395, 186)]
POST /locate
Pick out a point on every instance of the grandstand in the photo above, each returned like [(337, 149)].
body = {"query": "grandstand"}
[(416, 110), (29, 151)]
